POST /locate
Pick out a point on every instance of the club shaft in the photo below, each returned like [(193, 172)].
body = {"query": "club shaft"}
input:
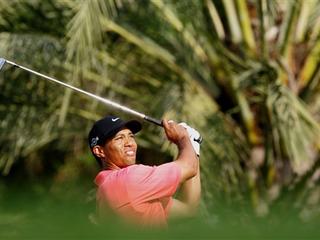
[(103, 100)]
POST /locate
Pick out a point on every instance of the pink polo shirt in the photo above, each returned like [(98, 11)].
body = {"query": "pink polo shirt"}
[(139, 193)]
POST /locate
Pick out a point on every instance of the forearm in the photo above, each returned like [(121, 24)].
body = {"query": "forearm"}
[(187, 203), (188, 163), (187, 160), (190, 184), (191, 191)]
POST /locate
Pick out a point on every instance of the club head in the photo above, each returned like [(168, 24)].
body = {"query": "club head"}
[(2, 62)]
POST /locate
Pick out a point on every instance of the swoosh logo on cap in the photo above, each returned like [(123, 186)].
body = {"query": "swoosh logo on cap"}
[(114, 119)]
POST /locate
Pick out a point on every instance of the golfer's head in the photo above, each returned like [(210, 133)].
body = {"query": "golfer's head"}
[(112, 142)]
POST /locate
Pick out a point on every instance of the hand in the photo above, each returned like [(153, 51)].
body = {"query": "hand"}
[(175, 133), (194, 137)]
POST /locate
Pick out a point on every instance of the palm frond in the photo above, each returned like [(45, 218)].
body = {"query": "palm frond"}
[(286, 32), (302, 23), (233, 22), (297, 130), (245, 24), (215, 19), (261, 12)]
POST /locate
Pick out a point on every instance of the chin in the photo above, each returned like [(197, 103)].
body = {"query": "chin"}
[(131, 161)]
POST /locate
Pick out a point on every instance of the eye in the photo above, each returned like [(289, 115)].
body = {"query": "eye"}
[(118, 138)]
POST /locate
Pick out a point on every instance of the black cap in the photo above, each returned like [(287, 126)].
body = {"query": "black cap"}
[(108, 127)]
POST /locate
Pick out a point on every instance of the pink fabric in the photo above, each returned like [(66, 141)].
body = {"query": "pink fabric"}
[(138, 192)]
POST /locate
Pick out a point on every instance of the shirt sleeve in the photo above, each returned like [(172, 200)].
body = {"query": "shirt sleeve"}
[(145, 183)]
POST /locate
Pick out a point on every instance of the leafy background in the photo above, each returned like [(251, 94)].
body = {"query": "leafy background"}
[(245, 73)]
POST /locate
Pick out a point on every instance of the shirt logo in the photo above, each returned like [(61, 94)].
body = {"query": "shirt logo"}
[(114, 119)]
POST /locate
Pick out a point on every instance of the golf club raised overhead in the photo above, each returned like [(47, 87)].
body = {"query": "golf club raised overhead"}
[(103, 100)]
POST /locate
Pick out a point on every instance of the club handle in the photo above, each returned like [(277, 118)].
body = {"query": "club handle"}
[(153, 120)]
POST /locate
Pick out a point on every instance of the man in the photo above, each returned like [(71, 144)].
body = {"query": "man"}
[(140, 193)]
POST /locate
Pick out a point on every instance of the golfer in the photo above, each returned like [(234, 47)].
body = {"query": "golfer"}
[(139, 193)]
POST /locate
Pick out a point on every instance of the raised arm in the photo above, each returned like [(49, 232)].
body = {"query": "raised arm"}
[(187, 159), (188, 162)]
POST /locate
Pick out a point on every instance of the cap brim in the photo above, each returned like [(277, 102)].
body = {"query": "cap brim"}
[(133, 125)]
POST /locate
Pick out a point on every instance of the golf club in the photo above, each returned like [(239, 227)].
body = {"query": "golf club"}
[(103, 100)]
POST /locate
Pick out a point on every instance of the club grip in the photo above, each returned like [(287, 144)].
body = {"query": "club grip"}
[(153, 120)]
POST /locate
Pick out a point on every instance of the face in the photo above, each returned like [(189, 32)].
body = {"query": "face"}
[(120, 151)]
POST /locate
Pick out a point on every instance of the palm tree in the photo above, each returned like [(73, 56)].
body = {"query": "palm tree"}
[(245, 73)]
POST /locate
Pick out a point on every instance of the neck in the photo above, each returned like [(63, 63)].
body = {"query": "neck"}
[(110, 166)]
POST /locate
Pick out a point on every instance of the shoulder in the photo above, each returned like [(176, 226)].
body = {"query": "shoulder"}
[(101, 177), (139, 172), (109, 175), (141, 167)]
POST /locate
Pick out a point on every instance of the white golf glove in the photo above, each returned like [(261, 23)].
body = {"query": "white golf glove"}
[(194, 137)]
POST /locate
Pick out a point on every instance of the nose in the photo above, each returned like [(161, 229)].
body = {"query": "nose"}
[(129, 141)]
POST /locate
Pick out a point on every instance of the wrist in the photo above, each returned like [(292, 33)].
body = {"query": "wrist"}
[(183, 142)]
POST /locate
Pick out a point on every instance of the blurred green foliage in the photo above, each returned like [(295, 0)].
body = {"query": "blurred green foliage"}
[(32, 212), (244, 73)]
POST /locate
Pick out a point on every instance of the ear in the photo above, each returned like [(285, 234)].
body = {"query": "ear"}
[(98, 151)]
